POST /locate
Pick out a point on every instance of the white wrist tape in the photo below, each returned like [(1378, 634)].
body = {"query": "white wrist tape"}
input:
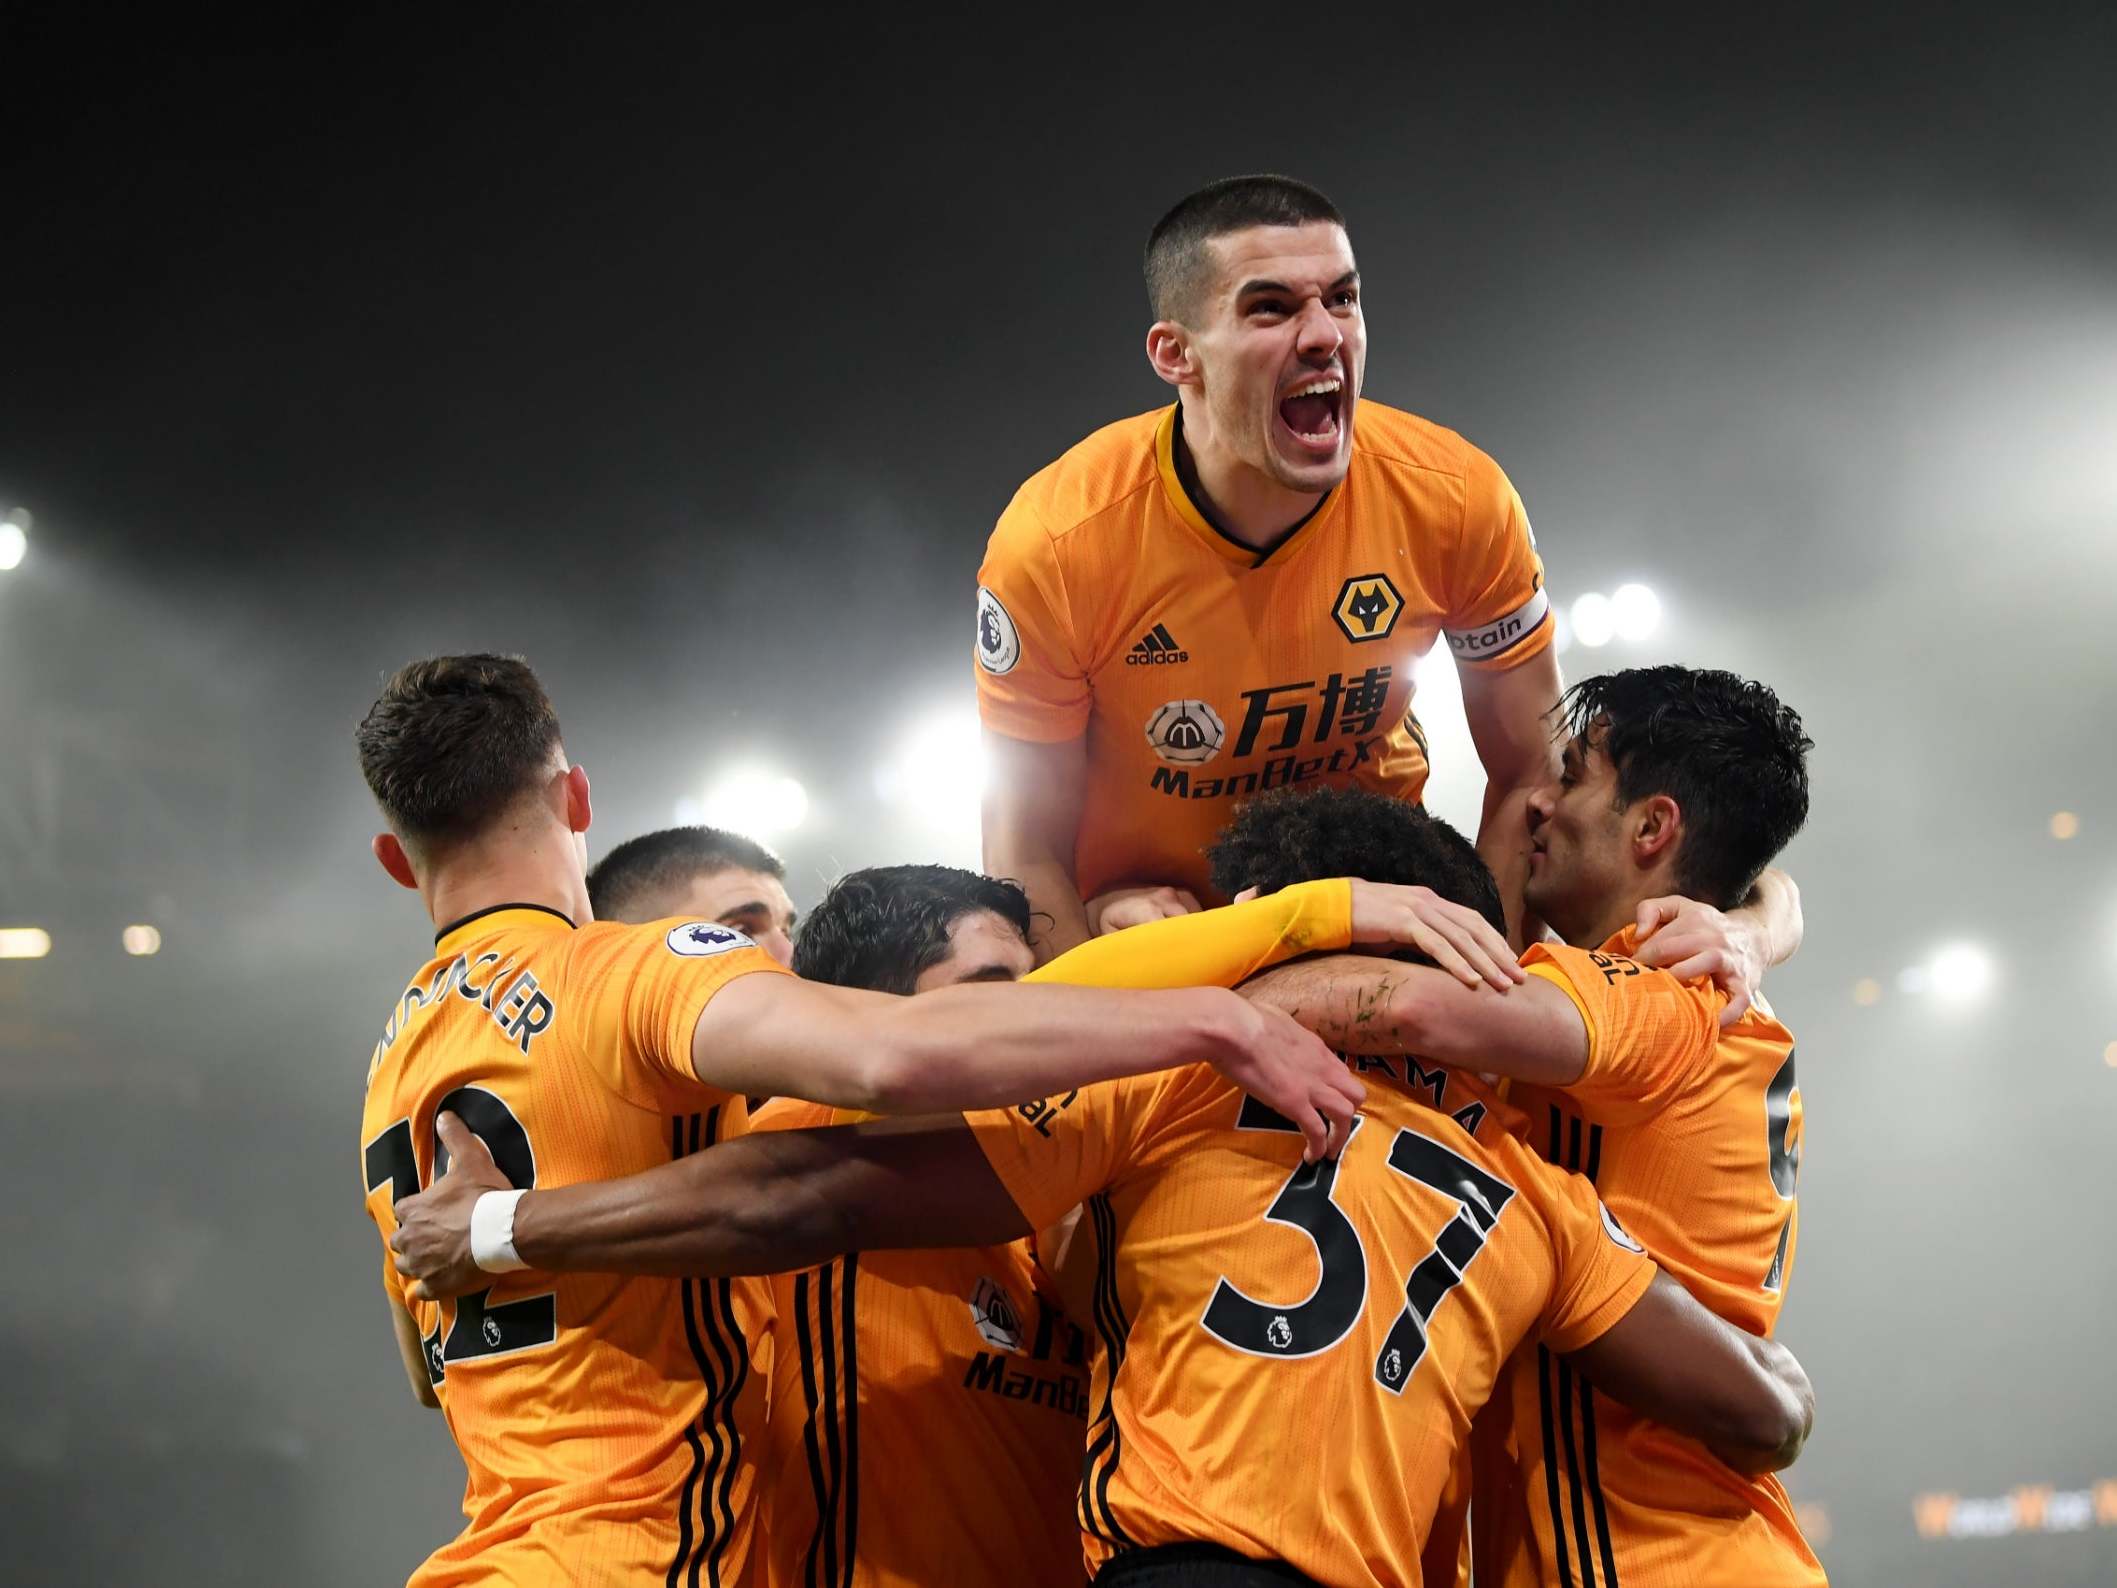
[(492, 1232)]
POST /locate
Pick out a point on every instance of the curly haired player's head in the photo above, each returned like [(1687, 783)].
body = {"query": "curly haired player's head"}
[(1300, 835)]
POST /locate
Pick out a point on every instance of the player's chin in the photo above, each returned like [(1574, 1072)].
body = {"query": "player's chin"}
[(1308, 463)]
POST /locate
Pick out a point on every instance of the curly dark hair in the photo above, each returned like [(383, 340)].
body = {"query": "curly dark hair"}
[(1732, 757), (654, 862), (881, 928), (453, 741), (1303, 834)]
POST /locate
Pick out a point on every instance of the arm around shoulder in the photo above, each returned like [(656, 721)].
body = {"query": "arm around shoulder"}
[(1745, 1398)]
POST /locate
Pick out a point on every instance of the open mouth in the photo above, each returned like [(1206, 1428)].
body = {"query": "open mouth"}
[(1311, 411)]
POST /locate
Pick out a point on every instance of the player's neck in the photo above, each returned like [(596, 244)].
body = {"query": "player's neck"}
[(1249, 507), (1620, 910), (545, 870)]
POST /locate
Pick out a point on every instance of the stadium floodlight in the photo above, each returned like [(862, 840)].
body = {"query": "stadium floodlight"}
[(1594, 621), (756, 803), (141, 940), (1961, 973), (14, 544), (938, 772), (1635, 612), (24, 942)]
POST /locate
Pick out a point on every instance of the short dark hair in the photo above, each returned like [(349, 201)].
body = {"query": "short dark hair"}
[(453, 741), (1177, 264), (883, 927), (651, 862), (1302, 835), (1723, 748)]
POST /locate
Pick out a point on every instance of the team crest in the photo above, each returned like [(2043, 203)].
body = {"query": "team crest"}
[(1617, 1232), (999, 647), (1367, 607), (701, 939), (1186, 732), (992, 1310)]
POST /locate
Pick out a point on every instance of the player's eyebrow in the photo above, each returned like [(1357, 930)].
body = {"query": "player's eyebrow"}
[(1351, 278), (989, 973)]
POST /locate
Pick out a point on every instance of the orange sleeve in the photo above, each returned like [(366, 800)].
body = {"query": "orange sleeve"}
[(1499, 613), (798, 1113), (1602, 1272), (1032, 680), (645, 988), (1648, 1033), (1055, 1153)]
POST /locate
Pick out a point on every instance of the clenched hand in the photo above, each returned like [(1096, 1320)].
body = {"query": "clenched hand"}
[(432, 1243)]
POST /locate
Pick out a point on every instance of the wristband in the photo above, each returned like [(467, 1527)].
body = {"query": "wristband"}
[(492, 1232)]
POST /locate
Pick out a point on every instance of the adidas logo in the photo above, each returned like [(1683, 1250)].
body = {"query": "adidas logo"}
[(1158, 649)]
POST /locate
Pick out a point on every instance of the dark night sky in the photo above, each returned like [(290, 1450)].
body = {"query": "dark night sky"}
[(696, 365)]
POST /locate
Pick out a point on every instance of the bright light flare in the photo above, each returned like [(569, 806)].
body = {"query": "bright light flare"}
[(756, 803), (1594, 620), (24, 942), (937, 775), (141, 940), (14, 544), (1635, 612), (1961, 973), (1866, 992), (2064, 825)]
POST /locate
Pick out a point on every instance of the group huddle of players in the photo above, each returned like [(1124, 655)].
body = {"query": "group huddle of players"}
[(1249, 1181)]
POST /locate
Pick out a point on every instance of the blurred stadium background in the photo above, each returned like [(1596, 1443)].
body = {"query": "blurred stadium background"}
[(696, 364)]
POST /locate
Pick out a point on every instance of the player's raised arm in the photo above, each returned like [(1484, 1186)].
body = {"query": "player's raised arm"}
[(1031, 816), (1227, 946), (1745, 1398), (1532, 1032), (1735, 949), (989, 1046)]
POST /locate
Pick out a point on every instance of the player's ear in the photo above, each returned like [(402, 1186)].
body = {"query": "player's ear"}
[(579, 810), (1169, 351), (389, 853), (1658, 824), (1246, 894)]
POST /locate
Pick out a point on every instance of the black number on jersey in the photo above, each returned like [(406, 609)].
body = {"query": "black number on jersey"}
[(1324, 1319), (1480, 1197), (1310, 1327), (469, 1326), (1785, 1150)]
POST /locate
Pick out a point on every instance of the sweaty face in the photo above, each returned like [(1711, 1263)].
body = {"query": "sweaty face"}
[(1281, 349), (1577, 860), (982, 946), (749, 901)]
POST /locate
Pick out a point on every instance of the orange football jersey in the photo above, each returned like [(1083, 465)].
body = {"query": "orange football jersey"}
[(603, 1420), (1200, 671), (1692, 1137), (1293, 1353), (945, 1386), (927, 1416)]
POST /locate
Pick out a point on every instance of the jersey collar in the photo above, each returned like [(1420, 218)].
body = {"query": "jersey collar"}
[(536, 915), (1194, 518)]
